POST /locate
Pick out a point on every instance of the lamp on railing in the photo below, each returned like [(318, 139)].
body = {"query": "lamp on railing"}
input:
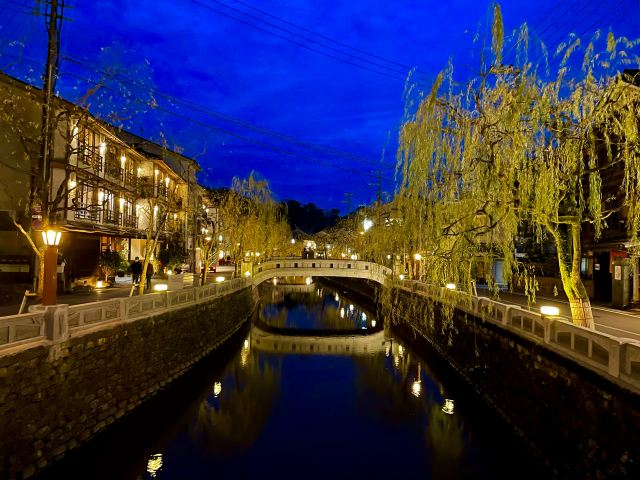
[(51, 239)]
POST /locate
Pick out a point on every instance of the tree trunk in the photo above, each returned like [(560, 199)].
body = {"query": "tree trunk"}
[(569, 253), (581, 313)]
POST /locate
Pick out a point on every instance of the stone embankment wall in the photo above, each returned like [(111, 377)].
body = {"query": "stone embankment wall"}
[(578, 422), (53, 398)]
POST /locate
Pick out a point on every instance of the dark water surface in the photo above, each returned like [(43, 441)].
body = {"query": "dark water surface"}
[(282, 402)]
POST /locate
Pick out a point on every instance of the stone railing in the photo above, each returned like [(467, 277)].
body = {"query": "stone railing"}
[(613, 357), (17, 330), (60, 322)]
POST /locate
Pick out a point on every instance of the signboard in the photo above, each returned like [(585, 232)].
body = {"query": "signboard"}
[(617, 272)]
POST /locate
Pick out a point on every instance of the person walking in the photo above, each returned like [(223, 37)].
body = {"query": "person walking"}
[(149, 275), (136, 271)]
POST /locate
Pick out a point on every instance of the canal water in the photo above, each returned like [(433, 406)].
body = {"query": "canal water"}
[(316, 388)]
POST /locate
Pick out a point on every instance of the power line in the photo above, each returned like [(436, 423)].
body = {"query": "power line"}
[(329, 39), (218, 129), (308, 47), (212, 113)]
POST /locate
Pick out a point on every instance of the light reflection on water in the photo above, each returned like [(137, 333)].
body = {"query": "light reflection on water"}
[(301, 406)]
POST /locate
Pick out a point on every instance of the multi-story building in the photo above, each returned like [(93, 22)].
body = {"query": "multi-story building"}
[(109, 189)]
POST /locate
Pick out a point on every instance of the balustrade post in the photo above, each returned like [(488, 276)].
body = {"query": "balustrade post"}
[(56, 321), (615, 357)]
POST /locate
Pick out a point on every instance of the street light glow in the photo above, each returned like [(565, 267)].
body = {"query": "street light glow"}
[(451, 286), (417, 256), (549, 310), (51, 237)]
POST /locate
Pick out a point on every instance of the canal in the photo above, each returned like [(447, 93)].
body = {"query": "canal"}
[(316, 387)]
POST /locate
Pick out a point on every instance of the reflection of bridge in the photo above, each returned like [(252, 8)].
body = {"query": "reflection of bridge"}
[(315, 345), (294, 267)]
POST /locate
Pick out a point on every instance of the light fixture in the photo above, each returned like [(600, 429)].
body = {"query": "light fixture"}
[(448, 406), (51, 237), (451, 286), (219, 238), (217, 388), (247, 273), (275, 281), (160, 287), (208, 239), (99, 284), (219, 279), (373, 323), (293, 240), (367, 224), (308, 280), (401, 276), (417, 256), (549, 310), (416, 388)]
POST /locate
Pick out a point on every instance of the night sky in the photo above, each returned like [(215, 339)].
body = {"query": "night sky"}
[(310, 94)]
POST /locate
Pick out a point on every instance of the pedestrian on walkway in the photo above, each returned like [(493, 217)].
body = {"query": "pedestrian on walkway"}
[(149, 275), (136, 271)]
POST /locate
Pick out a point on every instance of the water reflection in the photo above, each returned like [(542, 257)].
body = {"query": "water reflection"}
[(313, 307), (342, 405)]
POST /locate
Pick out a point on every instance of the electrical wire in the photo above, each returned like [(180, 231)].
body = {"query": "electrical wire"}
[(308, 47)]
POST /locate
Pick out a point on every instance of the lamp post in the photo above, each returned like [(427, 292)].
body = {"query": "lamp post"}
[(51, 239)]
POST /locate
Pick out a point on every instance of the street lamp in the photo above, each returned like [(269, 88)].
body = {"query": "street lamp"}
[(51, 239)]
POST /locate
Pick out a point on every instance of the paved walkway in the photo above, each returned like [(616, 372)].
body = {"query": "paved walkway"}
[(620, 323), (608, 320), (87, 295)]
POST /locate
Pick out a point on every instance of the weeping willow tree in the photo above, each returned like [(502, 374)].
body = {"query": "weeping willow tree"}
[(252, 220), (521, 146)]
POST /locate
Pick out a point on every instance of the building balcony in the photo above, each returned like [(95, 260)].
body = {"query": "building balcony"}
[(91, 158), (114, 171), (84, 213), (111, 217), (129, 221)]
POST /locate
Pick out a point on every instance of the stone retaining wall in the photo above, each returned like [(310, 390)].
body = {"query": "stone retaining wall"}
[(578, 422), (55, 397)]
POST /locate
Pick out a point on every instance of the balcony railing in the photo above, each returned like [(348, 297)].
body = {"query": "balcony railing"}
[(114, 170), (162, 189), (90, 157), (111, 217), (84, 213), (129, 221)]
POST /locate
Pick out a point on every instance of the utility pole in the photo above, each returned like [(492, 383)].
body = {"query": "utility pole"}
[(378, 185), (53, 20), (347, 201)]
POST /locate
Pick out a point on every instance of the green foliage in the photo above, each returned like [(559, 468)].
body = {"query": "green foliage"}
[(518, 147), (171, 257), (110, 262)]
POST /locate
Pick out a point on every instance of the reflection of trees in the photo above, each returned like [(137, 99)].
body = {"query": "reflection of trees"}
[(384, 392), (232, 422), (444, 442)]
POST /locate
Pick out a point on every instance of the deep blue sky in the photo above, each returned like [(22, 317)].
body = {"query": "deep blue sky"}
[(192, 50)]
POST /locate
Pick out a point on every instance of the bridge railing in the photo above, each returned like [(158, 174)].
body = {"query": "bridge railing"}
[(62, 321), (284, 267), (613, 357)]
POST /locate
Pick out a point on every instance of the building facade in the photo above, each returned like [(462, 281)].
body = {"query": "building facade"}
[(109, 190)]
